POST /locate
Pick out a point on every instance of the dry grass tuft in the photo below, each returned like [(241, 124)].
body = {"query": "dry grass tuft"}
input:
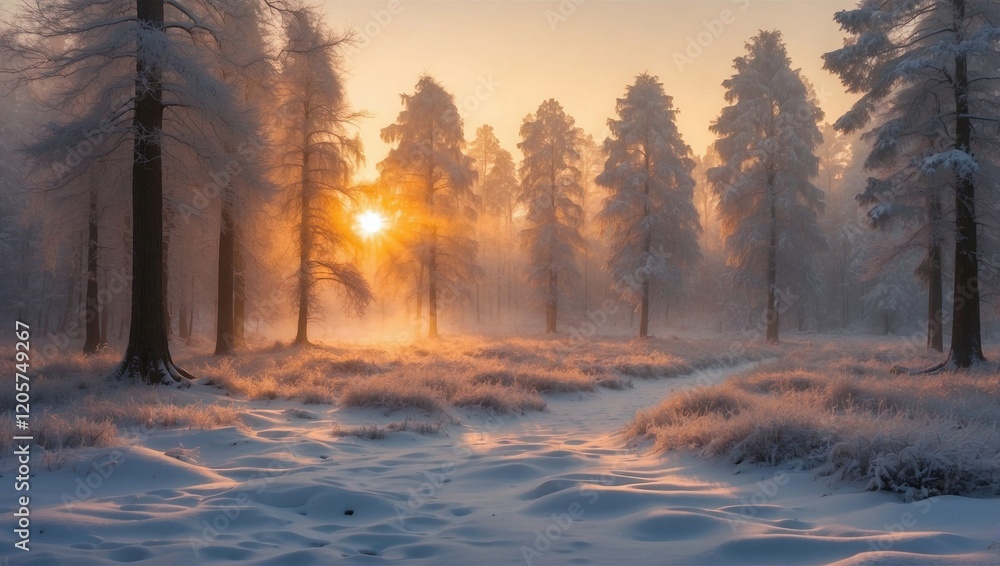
[(377, 432), (840, 411)]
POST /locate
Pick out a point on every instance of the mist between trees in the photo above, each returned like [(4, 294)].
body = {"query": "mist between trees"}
[(207, 154)]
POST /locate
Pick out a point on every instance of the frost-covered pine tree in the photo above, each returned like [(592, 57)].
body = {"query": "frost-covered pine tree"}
[(435, 179), (497, 191), (317, 162), (153, 58), (650, 212), (551, 194), (926, 71), (244, 66), (768, 205), (591, 164)]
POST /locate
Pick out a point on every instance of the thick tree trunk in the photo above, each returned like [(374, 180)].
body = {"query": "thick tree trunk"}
[(93, 324), (239, 291), (966, 337), (935, 312), (168, 228), (551, 306), (224, 332), (147, 356), (182, 320)]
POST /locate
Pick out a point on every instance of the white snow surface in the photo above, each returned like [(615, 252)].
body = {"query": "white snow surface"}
[(557, 487)]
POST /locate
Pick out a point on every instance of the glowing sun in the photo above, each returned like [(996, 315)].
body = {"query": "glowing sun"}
[(370, 223)]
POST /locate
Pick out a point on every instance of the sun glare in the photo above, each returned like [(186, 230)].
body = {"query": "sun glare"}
[(370, 223)]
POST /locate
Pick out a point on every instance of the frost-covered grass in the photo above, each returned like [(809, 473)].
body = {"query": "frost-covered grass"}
[(837, 409), (507, 375), (73, 405)]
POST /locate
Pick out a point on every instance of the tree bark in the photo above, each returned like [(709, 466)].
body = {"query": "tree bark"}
[(935, 311), (646, 243), (305, 253), (93, 324), (772, 265), (551, 306), (224, 331), (432, 296), (105, 324), (966, 337), (147, 356), (182, 320), (239, 290), (168, 228)]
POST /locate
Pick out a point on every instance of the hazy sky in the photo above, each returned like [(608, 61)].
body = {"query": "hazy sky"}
[(501, 59)]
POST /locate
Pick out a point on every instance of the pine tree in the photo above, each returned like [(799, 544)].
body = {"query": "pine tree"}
[(317, 163), (244, 66), (496, 189), (551, 194), (650, 212), (435, 179), (151, 57), (591, 164), (926, 73), (767, 202)]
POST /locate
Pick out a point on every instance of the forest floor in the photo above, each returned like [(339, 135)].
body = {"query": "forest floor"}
[(518, 450)]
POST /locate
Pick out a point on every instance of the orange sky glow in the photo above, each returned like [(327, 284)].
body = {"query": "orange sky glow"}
[(501, 59)]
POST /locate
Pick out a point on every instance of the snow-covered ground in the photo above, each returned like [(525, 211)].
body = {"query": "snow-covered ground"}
[(555, 487)]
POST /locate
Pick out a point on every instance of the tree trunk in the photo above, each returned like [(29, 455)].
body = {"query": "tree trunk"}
[(168, 223), (70, 311), (966, 337), (105, 324), (644, 312), (224, 332), (191, 310), (935, 311), (772, 265), (419, 300), (93, 324), (239, 291), (432, 298), (305, 253), (183, 331), (646, 243), (147, 356), (845, 305), (551, 305)]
